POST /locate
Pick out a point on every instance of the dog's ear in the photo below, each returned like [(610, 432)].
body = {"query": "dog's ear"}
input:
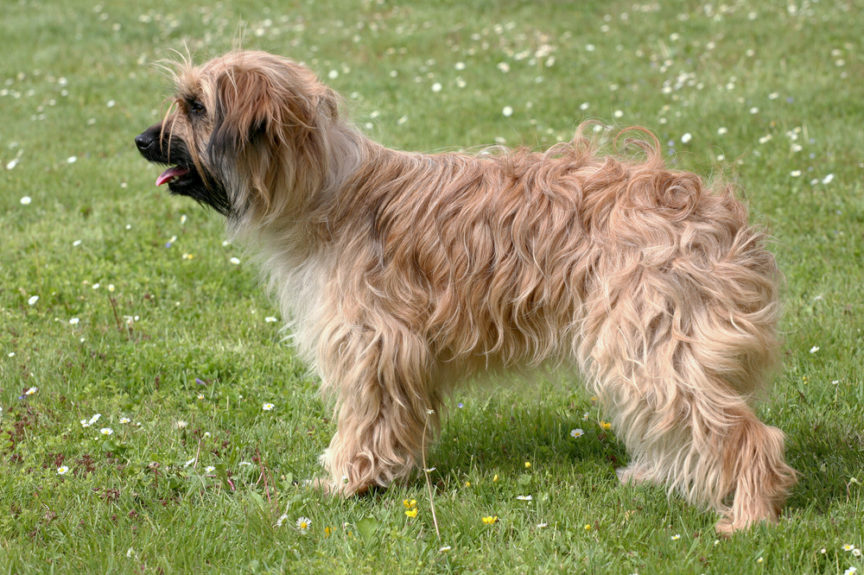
[(244, 107), (251, 104), (271, 118)]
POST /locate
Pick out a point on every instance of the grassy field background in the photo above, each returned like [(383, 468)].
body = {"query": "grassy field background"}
[(138, 352)]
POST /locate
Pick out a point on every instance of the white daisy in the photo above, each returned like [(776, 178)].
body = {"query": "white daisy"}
[(303, 524)]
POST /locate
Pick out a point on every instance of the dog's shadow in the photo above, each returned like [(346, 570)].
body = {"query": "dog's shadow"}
[(492, 435), (829, 458), (502, 433)]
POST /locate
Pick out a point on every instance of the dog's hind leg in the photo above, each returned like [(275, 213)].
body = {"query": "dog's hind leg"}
[(677, 366), (385, 404), (753, 462), (688, 429)]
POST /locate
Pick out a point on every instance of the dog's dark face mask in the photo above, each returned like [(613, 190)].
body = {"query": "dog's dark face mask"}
[(183, 176), (245, 135)]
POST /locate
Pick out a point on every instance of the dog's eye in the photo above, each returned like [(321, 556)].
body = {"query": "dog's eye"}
[(195, 108)]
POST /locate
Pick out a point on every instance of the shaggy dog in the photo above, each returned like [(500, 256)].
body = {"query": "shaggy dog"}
[(404, 272)]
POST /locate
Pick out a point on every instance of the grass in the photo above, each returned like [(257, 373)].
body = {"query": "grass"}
[(142, 314)]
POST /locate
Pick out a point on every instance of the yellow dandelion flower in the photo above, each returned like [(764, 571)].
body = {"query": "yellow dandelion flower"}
[(606, 425), (467, 484), (587, 527), (527, 465)]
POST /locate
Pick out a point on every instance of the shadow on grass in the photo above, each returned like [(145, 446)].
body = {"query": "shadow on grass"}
[(504, 434), (495, 435), (827, 454)]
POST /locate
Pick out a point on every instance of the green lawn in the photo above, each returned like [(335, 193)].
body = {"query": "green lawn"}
[(118, 300)]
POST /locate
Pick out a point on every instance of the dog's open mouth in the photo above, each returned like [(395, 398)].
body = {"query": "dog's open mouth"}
[(172, 175), (187, 181), (180, 179)]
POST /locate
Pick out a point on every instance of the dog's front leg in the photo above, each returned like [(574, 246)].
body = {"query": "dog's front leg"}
[(381, 376)]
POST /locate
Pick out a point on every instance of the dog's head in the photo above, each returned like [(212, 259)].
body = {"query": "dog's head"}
[(245, 131)]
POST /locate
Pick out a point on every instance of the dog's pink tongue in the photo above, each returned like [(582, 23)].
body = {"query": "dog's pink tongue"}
[(170, 173)]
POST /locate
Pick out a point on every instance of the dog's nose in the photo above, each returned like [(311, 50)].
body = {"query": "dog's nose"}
[(144, 141)]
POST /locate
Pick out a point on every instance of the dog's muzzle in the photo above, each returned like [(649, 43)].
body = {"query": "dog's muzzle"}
[(181, 175)]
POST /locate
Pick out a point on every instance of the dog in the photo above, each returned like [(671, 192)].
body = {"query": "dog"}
[(402, 273)]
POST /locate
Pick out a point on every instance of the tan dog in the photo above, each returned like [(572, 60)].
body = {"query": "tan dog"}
[(403, 272)]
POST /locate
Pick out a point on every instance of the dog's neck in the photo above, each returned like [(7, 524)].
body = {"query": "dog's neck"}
[(304, 220)]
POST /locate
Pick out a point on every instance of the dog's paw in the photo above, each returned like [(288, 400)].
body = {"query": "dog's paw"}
[(726, 527), (633, 474), (335, 488), (321, 484)]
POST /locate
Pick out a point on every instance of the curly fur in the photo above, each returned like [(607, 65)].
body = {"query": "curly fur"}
[(403, 272)]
